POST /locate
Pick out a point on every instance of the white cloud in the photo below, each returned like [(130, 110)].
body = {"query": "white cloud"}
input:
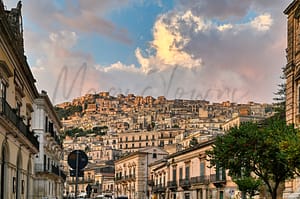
[(262, 22), (225, 27), (198, 51)]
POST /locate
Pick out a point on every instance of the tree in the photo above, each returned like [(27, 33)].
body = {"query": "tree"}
[(280, 95), (193, 142), (259, 151)]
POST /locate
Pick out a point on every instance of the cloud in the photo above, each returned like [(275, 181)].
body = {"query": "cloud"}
[(85, 16), (213, 50), (262, 22)]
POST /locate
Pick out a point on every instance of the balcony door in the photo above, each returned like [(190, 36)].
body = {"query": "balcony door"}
[(4, 177)]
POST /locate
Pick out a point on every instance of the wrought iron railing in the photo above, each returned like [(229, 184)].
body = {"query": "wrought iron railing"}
[(42, 168), (11, 115), (200, 180)]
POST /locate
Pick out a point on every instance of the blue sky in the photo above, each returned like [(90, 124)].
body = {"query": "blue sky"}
[(193, 49)]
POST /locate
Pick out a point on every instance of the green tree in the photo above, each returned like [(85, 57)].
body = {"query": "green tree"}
[(193, 142), (258, 151), (280, 96)]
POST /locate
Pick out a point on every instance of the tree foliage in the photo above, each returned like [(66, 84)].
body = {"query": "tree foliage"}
[(280, 95), (66, 112), (78, 132), (259, 151)]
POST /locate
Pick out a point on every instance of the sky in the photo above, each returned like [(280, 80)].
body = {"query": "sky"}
[(182, 49)]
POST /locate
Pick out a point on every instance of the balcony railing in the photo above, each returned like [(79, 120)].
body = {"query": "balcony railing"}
[(150, 182), (12, 116), (161, 188), (184, 183), (172, 184), (72, 180), (218, 180), (200, 180), (42, 168)]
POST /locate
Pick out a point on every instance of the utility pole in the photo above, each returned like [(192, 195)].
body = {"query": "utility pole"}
[(76, 171)]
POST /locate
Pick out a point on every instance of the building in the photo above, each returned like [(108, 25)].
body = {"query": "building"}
[(18, 145), (50, 177), (187, 175), (292, 73), (292, 68), (131, 172)]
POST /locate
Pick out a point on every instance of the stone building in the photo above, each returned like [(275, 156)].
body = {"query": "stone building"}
[(187, 175), (50, 177), (292, 68), (18, 145), (131, 172), (292, 72)]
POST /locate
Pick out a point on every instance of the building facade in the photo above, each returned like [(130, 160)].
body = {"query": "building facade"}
[(187, 174), (50, 177), (18, 145), (292, 73), (292, 68), (131, 172)]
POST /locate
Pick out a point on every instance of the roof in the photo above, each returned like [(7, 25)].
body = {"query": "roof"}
[(290, 7), (198, 146)]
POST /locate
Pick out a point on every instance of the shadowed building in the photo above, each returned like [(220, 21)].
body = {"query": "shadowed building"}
[(18, 145)]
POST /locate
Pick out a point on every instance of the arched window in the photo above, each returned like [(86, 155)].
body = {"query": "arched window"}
[(19, 177), (3, 176), (28, 183)]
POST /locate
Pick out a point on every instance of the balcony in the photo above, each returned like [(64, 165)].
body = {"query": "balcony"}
[(185, 183), (131, 177), (218, 180), (161, 188), (72, 180), (200, 180), (11, 115), (42, 169), (172, 185), (53, 135), (150, 183)]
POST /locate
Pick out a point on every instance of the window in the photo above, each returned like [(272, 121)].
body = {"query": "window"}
[(146, 137), (202, 169), (187, 171), (153, 137), (154, 155), (174, 174), (146, 143), (120, 139), (120, 146), (126, 139), (3, 89), (126, 146), (46, 124), (220, 173), (180, 173), (132, 138), (221, 194), (140, 144), (132, 146)]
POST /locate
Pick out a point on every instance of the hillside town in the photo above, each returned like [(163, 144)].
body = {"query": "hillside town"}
[(146, 129), (101, 146)]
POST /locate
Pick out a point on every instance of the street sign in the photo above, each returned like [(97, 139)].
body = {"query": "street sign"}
[(82, 159)]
